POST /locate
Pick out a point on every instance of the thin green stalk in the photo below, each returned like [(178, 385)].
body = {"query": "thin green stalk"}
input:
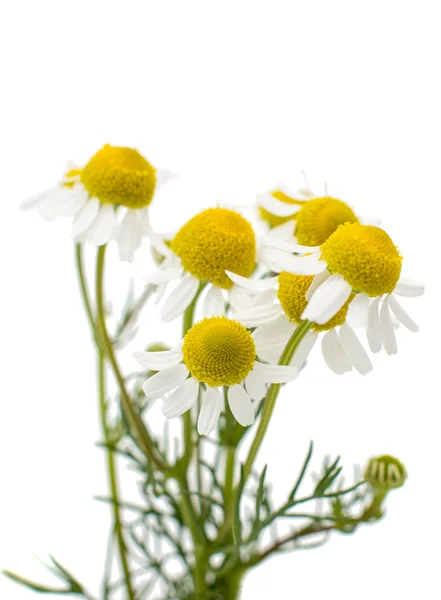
[(111, 470), (133, 419)]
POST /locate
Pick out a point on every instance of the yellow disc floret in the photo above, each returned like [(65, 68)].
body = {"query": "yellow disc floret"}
[(216, 240), (274, 220), (120, 176), (365, 256), (320, 217), (219, 351), (292, 290)]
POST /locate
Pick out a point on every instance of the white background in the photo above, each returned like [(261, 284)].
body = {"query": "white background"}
[(232, 96)]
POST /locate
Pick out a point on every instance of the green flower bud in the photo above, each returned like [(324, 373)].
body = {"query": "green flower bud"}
[(385, 473)]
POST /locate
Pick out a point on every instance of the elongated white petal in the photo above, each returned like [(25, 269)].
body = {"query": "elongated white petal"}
[(49, 206), (239, 299), (165, 381), (34, 201), (260, 298), (369, 220), (101, 230), (317, 282), (258, 315), (276, 207), (214, 304), (129, 236), (164, 275), (358, 311), (275, 373), (182, 399), (334, 354), (210, 411), (85, 217), (304, 349), (241, 405), (179, 299), (288, 246), (402, 315), (255, 385), (278, 261), (255, 285), (284, 231), (163, 176), (74, 201), (354, 350), (327, 300), (160, 292), (158, 361), (387, 328), (156, 239), (409, 288), (276, 331), (374, 337)]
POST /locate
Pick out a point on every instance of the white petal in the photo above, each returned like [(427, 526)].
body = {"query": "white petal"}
[(49, 206), (74, 201), (275, 373), (402, 315), (284, 231), (304, 349), (374, 336), (182, 399), (179, 299), (156, 239), (241, 405), (276, 207), (288, 246), (334, 354), (260, 298), (214, 305), (255, 285), (258, 315), (255, 385), (164, 275), (278, 261), (327, 300), (369, 220), (354, 350), (409, 288), (316, 282), (129, 236), (278, 330), (238, 298), (163, 176), (165, 381), (358, 311), (158, 361), (85, 217), (210, 410), (160, 292), (387, 328), (101, 230), (34, 201)]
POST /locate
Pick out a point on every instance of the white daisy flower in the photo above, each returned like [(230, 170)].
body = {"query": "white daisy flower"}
[(355, 259), (313, 217), (216, 353), (211, 242), (114, 180)]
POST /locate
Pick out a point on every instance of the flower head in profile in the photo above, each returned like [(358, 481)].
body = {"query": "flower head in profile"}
[(216, 353), (114, 180), (385, 473), (215, 240), (341, 283)]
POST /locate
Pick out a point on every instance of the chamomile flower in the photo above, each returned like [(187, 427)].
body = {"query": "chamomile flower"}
[(216, 353), (355, 259), (312, 219), (214, 240), (385, 473), (341, 348), (114, 179)]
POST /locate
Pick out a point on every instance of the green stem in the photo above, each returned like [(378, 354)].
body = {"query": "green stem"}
[(133, 419), (111, 470)]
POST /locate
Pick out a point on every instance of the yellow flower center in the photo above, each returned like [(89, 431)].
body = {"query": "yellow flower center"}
[(274, 220), (213, 241), (219, 351), (320, 217), (71, 173), (365, 256), (292, 290), (120, 176), (385, 472)]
